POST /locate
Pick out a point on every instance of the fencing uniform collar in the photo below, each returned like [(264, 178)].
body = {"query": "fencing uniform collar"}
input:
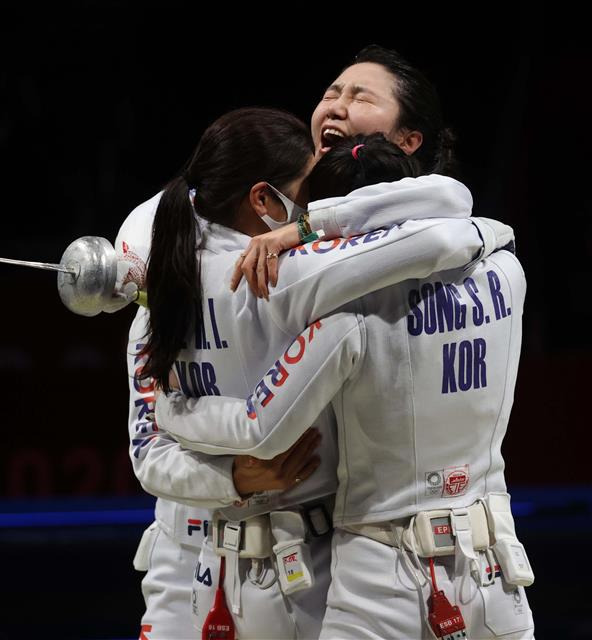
[(218, 238)]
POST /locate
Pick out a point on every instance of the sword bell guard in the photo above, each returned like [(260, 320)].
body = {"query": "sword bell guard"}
[(95, 261)]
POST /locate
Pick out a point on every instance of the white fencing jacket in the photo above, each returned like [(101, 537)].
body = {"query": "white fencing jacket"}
[(242, 331), (421, 377)]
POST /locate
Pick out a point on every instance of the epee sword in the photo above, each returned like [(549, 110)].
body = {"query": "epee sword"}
[(41, 265), (87, 273)]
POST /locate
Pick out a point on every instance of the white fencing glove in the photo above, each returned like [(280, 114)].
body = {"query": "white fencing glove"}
[(126, 289)]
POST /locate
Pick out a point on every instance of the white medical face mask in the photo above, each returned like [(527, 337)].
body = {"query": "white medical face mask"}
[(292, 211)]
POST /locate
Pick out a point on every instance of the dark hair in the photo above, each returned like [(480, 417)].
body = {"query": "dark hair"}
[(338, 172), (420, 109), (239, 149)]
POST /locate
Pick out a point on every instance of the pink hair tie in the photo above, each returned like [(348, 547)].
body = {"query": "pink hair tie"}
[(355, 150)]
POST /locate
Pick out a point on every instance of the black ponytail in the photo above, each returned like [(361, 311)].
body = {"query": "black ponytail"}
[(171, 280)]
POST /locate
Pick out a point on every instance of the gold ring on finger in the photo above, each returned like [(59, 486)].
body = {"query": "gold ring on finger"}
[(271, 255)]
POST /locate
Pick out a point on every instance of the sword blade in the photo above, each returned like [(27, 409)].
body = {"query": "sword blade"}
[(40, 265)]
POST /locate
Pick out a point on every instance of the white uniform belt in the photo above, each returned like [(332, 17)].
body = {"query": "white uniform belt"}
[(253, 535), (430, 533)]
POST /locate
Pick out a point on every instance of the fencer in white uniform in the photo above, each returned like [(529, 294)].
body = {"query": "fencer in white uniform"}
[(170, 473), (179, 475), (421, 376), (185, 483)]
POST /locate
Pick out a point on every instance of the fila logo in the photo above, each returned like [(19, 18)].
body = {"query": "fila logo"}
[(205, 578), (196, 525)]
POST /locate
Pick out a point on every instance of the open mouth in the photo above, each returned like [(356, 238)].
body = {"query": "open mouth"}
[(328, 138)]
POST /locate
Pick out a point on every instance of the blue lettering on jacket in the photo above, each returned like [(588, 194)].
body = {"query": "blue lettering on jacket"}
[(145, 406), (472, 289), (301, 249), (468, 370), (326, 246), (280, 373), (415, 318), (448, 377), (197, 378), (220, 344), (373, 235), (146, 428), (460, 308), (263, 393), (208, 316), (497, 296), (438, 306), (200, 336), (316, 246), (430, 319), (349, 242), (445, 307)]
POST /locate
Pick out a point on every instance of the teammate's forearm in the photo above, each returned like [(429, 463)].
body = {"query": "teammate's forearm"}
[(198, 480), (388, 203), (162, 467), (285, 402), (319, 277)]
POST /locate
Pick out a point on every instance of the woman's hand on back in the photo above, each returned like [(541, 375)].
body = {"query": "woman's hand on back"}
[(281, 473), (259, 261)]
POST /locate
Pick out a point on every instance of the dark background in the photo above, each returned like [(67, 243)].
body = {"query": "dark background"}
[(101, 103)]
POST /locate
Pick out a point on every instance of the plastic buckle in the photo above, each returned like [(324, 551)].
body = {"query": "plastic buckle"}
[(318, 519), (460, 520), (232, 536)]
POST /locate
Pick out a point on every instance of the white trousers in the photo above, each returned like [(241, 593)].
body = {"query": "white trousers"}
[(166, 586), (373, 595), (266, 613)]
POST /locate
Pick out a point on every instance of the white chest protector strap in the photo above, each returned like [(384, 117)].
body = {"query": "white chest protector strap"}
[(231, 544), (463, 536)]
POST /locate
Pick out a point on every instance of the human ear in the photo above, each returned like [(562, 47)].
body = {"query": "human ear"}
[(259, 198), (409, 141)]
